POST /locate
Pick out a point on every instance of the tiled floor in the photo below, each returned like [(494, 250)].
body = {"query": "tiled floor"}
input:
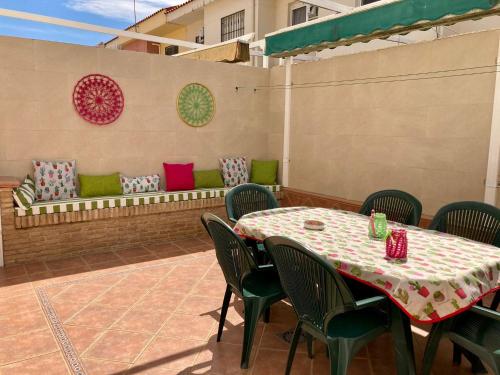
[(150, 310)]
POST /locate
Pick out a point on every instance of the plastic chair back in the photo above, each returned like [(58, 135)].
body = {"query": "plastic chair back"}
[(315, 288), (473, 220), (232, 254), (397, 205), (248, 198)]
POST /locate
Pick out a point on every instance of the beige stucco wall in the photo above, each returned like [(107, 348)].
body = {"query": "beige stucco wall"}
[(215, 11), (37, 119), (428, 137)]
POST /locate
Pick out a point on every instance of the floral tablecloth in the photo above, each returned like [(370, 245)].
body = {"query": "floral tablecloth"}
[(442, 276)]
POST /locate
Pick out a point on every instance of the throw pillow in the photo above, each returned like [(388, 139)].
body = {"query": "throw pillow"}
[(234, 171), (140, 184), (179, 176), (98, 186), (54, 180), (24, 195), (264, 172), (208, 179)]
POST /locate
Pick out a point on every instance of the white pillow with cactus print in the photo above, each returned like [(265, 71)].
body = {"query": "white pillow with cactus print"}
[(234, 171), (140, 184), (54, 180)]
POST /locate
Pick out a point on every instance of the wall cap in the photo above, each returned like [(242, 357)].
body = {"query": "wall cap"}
[(8, 182)]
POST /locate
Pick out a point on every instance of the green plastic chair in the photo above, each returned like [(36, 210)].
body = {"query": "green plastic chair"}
[(397, 205), (247, 198), (324, 304), (473, 220), (477, 330), (258, 287)]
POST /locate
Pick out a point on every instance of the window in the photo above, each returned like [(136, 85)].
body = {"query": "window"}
[(302, 13), (232, 26), (171, 50), (365, 2)]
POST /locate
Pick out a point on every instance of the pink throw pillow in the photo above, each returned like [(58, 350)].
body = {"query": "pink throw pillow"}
[(179, 176)]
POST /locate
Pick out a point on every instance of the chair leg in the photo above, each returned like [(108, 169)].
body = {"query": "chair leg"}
[(477, 365), (252, 315), (340, 357), (267, 315), (310, 346), (403, 341), (223, 313), (496, 301), (293, 347), (457, 354), (432, 347)]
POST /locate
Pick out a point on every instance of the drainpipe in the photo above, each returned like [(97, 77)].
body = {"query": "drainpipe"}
[(287, 121), (494, 150)]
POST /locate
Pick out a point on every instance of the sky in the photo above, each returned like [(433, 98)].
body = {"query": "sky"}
[(111, 13)]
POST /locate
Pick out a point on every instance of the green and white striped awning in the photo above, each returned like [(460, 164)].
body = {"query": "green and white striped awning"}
[(379, 20)]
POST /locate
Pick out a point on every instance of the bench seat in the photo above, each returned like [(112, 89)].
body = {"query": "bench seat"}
[(129, 200)]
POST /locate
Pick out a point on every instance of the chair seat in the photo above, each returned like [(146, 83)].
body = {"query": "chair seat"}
[(479, 330), (357, 323), (263, 284)]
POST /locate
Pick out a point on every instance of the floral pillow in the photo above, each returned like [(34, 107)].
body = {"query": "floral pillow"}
[(141, 184), (234, 171), (54, 180)]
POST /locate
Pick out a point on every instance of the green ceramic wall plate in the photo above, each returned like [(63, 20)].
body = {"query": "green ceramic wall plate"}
[(195, 105)]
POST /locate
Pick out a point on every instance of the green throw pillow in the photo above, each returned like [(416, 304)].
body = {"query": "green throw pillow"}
[(24, 195), (264, 172), (208, 179), (97, 186)]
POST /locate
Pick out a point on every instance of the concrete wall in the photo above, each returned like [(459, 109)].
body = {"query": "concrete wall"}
[(37, 118), (428, 137), (217, 10)]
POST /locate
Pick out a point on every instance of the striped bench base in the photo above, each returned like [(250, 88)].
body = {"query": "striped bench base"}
[(80, 209)]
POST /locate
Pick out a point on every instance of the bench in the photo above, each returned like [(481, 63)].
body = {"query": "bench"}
[(84, 225)]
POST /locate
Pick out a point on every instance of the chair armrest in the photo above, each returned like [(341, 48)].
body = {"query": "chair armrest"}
[(370, 302), (232, 220), (495, 315)]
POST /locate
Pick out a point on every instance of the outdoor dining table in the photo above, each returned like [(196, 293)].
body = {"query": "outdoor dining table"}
[(442, 276)]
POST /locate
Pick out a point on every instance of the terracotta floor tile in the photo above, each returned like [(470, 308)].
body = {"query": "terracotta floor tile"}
[(189, 327), (190, 243), (234, 334), (141, 321), (144, 261), (192, 272), (82, 337), (15, 286), (196, 305), (175, 284), (220, 358), (80, 294), (100, 367), (118, 346), (12, 271), (97, 316), (52, 363), (210, 288), (36, 267), (133, 252), (65, 310), (119, 296), (273, 339), (358, 366), (55, 265), (272, 362), (108, 278), (101, 257), (16, 323), (26, 345), (143, 280), (113, 265), (165, 247), (39, 277), (159, 300), (215, 273), (165, 352), (18, 304)]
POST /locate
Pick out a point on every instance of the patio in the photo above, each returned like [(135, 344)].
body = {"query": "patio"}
[(152, 310)]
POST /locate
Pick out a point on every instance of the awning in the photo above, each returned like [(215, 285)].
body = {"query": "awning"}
[(233, 52), (376, 21)]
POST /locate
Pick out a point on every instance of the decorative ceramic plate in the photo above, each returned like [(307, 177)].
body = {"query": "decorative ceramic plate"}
[(314, 225), (98, 99), (196, 105)]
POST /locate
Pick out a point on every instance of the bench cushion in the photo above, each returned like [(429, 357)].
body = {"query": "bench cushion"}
[(128, 200)]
